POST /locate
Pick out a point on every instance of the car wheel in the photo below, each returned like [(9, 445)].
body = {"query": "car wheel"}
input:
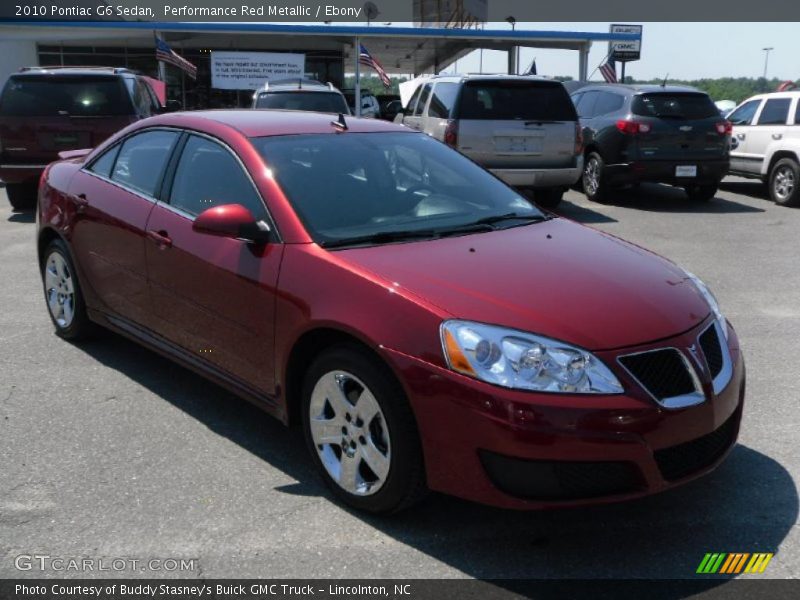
[(548, 198), (784, 182), (361, 432), (62, 292), (701, 193), (21, 196), (593, 185)]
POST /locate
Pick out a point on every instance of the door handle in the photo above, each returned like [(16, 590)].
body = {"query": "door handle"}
[(161, 238), (740, 136), (81, 202), (777, 136)]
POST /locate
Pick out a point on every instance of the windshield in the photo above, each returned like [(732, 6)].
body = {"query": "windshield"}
[(522, 100), (680, 106), (82, 96), (350, 186), (327, 102)]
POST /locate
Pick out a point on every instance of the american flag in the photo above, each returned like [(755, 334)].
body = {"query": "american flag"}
[(609, 71), (166, 54), (365, 58)]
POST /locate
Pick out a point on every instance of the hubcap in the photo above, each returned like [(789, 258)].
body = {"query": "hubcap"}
[(349, 432), (784, 183), (59, 290), (590, 176)]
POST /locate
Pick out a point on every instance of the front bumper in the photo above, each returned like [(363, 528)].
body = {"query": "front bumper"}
[(524, 450), (541, 178), (663, 171)]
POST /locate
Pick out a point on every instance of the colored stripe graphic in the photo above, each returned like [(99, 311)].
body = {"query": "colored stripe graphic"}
[(711, 562), (758, 563), (732, 564)]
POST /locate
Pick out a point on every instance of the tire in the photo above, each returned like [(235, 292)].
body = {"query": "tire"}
[(702, 193), (594, 187), (784, 182), (62, 294), (378, 444), (21, 196), (549, 197)]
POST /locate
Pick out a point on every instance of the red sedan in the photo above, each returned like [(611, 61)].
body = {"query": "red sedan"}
[(427, 325)]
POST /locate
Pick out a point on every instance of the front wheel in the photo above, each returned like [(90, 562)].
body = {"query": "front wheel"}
[(701, 193), (784, 182), (361, 432)]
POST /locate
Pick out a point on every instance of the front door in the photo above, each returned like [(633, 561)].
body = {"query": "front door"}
[(742, 120), (214, 296)]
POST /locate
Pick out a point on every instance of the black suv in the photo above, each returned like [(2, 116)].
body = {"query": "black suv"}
[(656, 133)]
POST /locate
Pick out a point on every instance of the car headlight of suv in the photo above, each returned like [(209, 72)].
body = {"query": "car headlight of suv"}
[(710, 300), (524, 361)]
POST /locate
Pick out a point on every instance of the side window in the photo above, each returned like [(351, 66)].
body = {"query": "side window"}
[(585, 107), (606, 103), (412, 103), (209, 175), (797, 114), (142, 159), (103, 165), (775, 112), (443, 100), (155, 104), (745, 113), (576, 98), (423, 99)]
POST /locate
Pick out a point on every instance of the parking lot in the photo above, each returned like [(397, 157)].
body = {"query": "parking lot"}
[(109, 450)]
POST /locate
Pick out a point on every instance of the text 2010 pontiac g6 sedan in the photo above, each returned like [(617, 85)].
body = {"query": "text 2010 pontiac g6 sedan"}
[(428, 326)]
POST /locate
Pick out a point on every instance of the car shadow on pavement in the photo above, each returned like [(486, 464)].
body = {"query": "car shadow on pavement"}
[(581, 214), (749, 504), (752, 188), (664, 198)]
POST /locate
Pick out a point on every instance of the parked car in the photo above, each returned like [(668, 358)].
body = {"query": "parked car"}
[(370, 108), (46, 110), (390, 105), (656, 133), (427, 326), (766, 143), (301, 94), (522, 129)]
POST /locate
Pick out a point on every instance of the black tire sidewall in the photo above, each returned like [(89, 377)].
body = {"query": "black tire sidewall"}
[(794, 199), (21, 196), (405, 481), (80, 326)]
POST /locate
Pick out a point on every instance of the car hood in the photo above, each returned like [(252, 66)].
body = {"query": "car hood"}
[(556, 278)]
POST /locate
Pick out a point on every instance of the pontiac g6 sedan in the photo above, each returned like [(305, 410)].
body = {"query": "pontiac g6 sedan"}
[(429, 327)]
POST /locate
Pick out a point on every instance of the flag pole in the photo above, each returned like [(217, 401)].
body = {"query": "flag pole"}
[(602, 62), (358, 77), (162, 69)]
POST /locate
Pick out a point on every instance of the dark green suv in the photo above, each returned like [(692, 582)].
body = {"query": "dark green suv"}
[(663, 134)]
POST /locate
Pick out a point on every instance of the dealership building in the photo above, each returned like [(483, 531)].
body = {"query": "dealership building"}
[(323, 52)]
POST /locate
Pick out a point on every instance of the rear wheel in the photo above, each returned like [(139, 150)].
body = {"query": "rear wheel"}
[(21, 196), (701, 193), (62, 292), (594, 187), (548, 197), (784, 182), (361, 432)]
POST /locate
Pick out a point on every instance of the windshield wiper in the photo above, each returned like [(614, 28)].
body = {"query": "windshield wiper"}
[(382, 237), (511, 217)]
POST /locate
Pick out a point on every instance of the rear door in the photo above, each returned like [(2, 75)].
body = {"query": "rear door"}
[(683, 127), (742, 120), (770, 127), (516, 124), (41, 116), (213, 296)]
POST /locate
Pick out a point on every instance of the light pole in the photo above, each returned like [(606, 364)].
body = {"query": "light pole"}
[(766, 61), (513, 22)]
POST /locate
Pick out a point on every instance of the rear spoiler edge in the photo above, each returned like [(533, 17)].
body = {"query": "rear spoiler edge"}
[(70, 154)]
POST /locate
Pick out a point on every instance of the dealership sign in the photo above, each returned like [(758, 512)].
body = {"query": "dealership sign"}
[(250, 70), (625, 50)]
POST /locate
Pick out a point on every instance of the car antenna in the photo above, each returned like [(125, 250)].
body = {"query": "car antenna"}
[(341, 123), (664, 83)]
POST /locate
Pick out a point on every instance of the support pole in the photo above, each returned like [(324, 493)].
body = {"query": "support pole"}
[(623, 72), (583, 61), (512, 60), (162, 68), (357, 46)]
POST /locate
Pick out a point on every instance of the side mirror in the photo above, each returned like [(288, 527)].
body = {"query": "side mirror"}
[(232, 221), (172, 106)]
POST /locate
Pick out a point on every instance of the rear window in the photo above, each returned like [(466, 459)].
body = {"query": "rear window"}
[(674, 105), (47, 95), (522, 100), (327, 102)]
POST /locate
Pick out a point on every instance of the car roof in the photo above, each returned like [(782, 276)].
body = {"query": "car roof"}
[(267, 122), (72, 71), (486, 77), (786, 94), (296, 85), (637, 88)]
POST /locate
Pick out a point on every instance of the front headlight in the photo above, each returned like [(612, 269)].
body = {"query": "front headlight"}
[(710, 300), (519, 360)]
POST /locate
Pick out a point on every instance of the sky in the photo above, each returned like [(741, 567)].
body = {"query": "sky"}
[(682, 50)]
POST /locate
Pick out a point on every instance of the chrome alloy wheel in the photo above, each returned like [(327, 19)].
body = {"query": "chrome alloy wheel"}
[(784, 182), (59, 290), (349, 432), (591, 176)]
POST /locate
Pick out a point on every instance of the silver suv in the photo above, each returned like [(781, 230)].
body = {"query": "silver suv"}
[(766, 143), (301, 94), (523, 129)]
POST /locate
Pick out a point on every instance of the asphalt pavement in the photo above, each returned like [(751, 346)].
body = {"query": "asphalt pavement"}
[(109, 451)]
